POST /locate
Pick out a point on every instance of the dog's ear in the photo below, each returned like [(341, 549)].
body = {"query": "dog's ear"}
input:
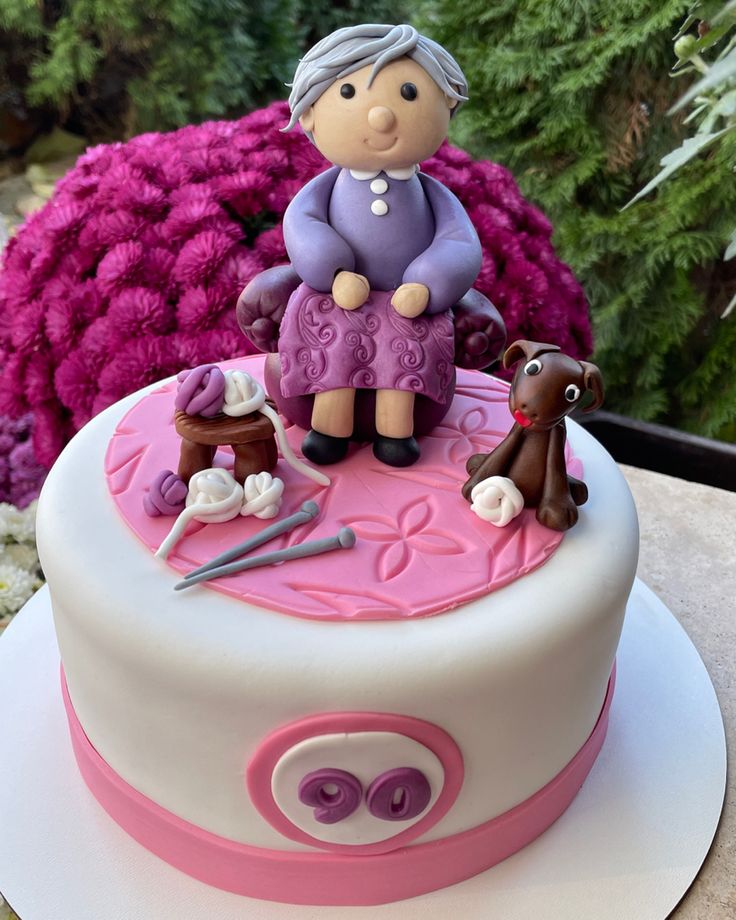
[(593, 382), (524, 349)]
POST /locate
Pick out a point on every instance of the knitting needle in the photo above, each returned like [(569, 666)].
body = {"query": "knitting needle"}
[(345, 539), (307, 512)]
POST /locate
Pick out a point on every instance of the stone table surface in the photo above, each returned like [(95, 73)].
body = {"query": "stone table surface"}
[(688, 558)]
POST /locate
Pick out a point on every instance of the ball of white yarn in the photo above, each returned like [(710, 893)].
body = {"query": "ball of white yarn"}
[(496, 500), (262, 495), (214, 496), (243, 394)]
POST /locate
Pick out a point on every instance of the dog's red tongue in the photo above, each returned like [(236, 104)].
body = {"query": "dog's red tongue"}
[(521, 418)]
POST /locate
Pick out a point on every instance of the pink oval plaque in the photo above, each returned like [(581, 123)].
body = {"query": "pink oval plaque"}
[(420, 550)]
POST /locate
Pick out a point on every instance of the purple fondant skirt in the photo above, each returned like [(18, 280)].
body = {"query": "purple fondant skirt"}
[(323, 347)]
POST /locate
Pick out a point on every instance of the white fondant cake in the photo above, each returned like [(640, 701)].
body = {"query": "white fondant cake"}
[(260, 750)]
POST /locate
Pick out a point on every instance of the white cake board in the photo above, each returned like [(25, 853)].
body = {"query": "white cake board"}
[(627, 849)]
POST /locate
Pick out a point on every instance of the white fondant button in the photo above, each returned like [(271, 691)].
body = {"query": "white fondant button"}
[(379, 207), (379, 186)]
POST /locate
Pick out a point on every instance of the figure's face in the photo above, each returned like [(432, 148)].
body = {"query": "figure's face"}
[(401, 119)]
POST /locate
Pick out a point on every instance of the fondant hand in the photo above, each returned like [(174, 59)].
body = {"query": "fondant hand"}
[(349, 290), (410, 300)]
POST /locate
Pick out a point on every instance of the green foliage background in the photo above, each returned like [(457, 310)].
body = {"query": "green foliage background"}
[(159, 64), (573, 97)]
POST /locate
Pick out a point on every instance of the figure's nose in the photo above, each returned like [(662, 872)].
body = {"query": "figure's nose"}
[(381, 118)]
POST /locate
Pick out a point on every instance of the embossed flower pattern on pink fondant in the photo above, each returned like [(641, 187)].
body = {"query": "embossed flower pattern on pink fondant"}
[(409, 533), (420, 551), (471, 433)]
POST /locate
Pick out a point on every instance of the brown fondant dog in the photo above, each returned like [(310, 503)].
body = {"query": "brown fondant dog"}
[(544, 390)]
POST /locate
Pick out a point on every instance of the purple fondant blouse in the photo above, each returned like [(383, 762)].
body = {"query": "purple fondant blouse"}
[(394, 228), (393, 231)]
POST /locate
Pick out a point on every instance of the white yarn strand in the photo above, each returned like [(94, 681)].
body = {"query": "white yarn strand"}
[(288, 454)]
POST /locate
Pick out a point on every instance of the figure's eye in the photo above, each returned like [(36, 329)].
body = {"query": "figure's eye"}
[(533, 368), (347, 91), (409, 91), (572, 393)]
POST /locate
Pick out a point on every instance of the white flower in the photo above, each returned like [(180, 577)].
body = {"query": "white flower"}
[(16, 586), (16, 524), (496, 500), (7, 517), (20, 554)]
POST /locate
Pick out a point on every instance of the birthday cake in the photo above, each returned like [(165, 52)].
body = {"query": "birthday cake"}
[(351, 728), (364, 682)]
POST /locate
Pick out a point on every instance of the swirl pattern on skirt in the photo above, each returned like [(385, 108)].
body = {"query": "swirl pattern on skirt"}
[(323, 347)]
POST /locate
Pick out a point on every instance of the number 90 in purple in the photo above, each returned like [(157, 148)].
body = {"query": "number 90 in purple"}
[(334, 794)]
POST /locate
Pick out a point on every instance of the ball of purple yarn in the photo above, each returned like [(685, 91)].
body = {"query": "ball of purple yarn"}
[(201, 391), (166, 496)]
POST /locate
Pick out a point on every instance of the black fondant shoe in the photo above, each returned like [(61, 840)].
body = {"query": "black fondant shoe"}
[(396, 451), (323, 449)]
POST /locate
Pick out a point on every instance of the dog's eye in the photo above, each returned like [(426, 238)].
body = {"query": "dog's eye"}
[(347, 91), (533, 368), (572, 393)]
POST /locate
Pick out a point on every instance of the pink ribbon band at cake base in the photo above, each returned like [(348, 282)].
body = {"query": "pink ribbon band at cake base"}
[(331, 878)]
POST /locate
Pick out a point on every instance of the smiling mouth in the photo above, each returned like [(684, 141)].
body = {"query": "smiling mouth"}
[(374, 146)]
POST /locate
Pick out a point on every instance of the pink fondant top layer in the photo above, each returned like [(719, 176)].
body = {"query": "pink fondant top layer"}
[(420, 550)]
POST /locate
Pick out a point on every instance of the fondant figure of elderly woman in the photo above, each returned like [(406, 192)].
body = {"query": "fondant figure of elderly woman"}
[(384, 251)]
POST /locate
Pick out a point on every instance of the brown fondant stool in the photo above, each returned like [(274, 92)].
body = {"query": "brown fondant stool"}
[(250, 436)]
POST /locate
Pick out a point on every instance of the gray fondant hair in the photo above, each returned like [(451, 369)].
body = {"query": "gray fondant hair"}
[(347, 50)]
